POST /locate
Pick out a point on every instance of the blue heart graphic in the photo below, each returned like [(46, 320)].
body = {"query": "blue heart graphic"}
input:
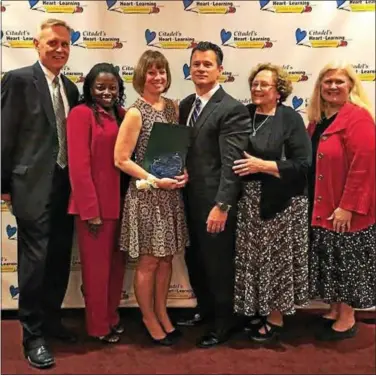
[(340, 2), (33, 3), (150, 36), (225, 35), (187, 3), (263, 3), (10, 231), (300, 35), (110, 3), (75, 36), (186, 71), (297, 102), (14, 291)]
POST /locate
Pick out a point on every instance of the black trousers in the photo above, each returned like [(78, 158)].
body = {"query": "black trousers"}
[(44, 254), (210, 264)]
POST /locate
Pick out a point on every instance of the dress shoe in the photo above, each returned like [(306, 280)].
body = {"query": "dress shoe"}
[(175, 335), (196, 320), (329, 334), (212, 339), (165, 341), (272, 332), (39, 356), (60, 332), (118, 328)]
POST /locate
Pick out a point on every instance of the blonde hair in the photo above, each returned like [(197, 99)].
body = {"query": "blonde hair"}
[(51, 22), (357, 94), (283, 82), (146, 61)]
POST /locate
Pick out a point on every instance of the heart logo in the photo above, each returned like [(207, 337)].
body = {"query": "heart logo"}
[(14, 291), (110, 3), (75, 36), (33, 3), (340, 3), (300, 35), (186, 71), (149, 36), (296, 102), (263, 3), (225, 36), (11, 231), (187, 3)]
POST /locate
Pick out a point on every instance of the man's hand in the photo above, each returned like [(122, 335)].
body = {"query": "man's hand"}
[(216, 221)]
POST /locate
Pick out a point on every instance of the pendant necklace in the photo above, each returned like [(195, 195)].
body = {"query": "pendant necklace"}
[(254, 131)]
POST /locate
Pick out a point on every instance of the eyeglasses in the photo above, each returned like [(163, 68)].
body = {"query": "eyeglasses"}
[(263, 85)]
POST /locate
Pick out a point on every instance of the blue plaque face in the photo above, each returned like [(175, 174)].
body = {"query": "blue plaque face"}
[(167, 166)]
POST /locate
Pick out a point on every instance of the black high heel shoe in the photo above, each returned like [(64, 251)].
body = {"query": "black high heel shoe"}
[(254, 323), (272, 332), (165, 341), (175, 335)]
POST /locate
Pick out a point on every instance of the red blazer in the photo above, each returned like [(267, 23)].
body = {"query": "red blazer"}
[(345, 169), (94, 178)]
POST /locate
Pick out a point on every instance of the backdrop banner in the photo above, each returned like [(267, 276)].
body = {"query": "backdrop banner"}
[(302, 36)]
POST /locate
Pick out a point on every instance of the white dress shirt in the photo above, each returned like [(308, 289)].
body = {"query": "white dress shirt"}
[(204, 100), (50, 77)]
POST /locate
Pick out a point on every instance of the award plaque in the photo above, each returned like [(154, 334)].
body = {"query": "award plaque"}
[(167, 150)]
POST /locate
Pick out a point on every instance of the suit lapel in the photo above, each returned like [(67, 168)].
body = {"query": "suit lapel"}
[(208, 109), (41, 84), (186, 109)]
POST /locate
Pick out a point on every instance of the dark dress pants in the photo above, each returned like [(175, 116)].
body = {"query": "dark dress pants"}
[(44, 254)]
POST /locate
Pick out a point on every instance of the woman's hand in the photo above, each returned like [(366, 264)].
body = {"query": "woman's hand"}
[(250, 165), (167, 183), (94, 225), (341, 220), (182, 179)]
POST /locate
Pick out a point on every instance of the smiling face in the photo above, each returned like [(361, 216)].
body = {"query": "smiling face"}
[(263, 88), (335, 87), (105, 90), (53, 47), (155, 80), (205, 71)]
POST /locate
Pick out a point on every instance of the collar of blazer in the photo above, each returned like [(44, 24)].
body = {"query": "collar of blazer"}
[(208, 109), (42, 86)]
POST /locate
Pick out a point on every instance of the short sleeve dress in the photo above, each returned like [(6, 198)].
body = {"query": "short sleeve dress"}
[(153, 221)]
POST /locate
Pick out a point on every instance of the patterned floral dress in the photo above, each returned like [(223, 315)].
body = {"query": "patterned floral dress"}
[(153, 220)]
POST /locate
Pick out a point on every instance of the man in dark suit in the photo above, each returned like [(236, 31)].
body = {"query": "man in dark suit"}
[(221, 126), (35, 184)]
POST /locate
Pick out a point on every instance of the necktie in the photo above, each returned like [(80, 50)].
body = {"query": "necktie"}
[(196, 112), (60, 123)]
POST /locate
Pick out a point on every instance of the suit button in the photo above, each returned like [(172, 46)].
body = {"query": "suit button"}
[(321, 155), (319, 198), (320, 177), (318, 218)]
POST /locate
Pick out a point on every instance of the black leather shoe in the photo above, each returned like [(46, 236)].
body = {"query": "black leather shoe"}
[(196, 320), (60, 332), (175, 335), (39, 356), (211, 340), (329, 334)]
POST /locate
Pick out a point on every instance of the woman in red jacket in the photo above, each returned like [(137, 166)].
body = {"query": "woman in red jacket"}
[(342, 193), (92, 129)]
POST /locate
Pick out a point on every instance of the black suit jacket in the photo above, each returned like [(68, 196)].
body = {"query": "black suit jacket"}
[(29, 143), (219, 137)]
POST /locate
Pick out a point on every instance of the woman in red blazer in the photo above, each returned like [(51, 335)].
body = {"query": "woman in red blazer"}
[(92, 129), (342, 195)]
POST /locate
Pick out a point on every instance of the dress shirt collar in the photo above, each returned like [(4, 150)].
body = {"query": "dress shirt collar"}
[(206, 97), (49, 75)]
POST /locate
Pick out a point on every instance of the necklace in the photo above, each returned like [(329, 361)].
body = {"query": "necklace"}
[(254, 130)]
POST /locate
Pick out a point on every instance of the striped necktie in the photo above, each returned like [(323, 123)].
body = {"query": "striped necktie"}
[(59, 110), (196, 112)]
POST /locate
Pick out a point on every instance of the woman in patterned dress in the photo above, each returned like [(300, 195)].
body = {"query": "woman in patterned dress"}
[(153, 224), (271, 259), (342, 196)]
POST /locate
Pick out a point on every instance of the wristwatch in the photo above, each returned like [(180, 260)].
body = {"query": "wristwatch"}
[(223, 207)]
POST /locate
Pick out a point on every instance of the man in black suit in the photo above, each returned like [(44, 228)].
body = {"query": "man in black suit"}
[(220, 128), (35, 184)]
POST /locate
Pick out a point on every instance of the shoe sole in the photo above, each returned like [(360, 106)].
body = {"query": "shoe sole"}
[(40, 366)]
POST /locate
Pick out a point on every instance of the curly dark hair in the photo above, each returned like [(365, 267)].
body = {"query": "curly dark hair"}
[(87, 97), (282, 80)]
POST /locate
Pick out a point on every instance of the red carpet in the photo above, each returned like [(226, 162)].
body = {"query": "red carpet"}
[(298, 353)]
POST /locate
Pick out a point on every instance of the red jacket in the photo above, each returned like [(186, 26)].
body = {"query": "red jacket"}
[(94, 178), (345, 169)]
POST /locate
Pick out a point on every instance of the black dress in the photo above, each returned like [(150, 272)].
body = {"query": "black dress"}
[(271, 259)]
